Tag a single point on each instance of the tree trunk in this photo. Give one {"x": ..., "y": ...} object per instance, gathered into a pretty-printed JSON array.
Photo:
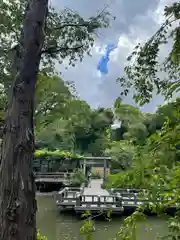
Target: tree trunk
[{"x": 17, "y": 189}]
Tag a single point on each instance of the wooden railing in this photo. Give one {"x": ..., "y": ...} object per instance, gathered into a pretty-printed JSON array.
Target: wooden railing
[
  {"x": 119, "y": 200},
  {"x": 132, "y": 199},
  {"x": 124, "y": 199},
  {"x": 98, "y": 200},
  {"x": 69, "y": 194},
  {"x": 53, "y": 175},
  {"x": 140, "y": 195},
  {"x": 126, "y": 190}
]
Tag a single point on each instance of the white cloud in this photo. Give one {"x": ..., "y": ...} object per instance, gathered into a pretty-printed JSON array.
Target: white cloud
[
  {"x": 140, "y": 20},
  {"x": 139, "y": 32},
  {"x": 157, "y": 15}
]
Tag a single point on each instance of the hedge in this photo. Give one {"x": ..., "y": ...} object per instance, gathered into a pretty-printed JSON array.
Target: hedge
[{"x": 45, "y": 153}]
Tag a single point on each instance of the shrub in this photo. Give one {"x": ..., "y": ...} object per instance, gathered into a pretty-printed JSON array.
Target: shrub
[
  {"x": 78, "y": 178},
  {"x": 96, "y": 175},
  {"x": 39, "y": 237}
]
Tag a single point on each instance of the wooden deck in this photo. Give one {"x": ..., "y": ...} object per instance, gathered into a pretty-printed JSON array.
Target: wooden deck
[
  {"x": 95, "y": 199},
  {"x": 92, "y": 198},
  {"x": 52, "y": 177}
]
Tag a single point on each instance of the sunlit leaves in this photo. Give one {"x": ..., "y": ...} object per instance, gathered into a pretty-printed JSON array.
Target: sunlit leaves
[
  {"x": 129, "y": 228},
  {"x": 154, "y": 167},
  {"x": 132, "y": 122},
  {"x": 51, "y": 99},
  {"x": 40, "y": 237},
  {"x": 87, "y": 228},
  {"x": 121, "y": 153},
  {"x": 152, "y": 161},
  {"x": 127, "y": 113}
]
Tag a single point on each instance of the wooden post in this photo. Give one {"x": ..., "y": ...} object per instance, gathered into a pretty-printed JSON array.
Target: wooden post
[
  {"x": 99, "y": 201},
  {"x": 118, "y": 200},
  {"x": 105, "y": 169},
  {"x": 65, "y": 193},
  {"x": 135, "y": 198},
  {"x": 59, "y": 197},
  {"x": 78, "y": 200},
  {"x": 84, "y": 166}
]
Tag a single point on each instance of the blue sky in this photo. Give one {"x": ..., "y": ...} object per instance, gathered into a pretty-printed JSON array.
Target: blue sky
[{"x": 136, "y": 20}]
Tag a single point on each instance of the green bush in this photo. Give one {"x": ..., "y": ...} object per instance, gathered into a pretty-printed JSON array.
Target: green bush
[
  {"x": 78, "y": 178},
  {"x": 57, "y": 154},
  {"x": 46, "y": 160},
  {"x": 96, "y": 175},
  {"x": 39, "y": 237}
]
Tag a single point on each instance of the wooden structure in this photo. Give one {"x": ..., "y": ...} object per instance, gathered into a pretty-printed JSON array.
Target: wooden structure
[
  {"x": 71, "y": 199},
  {"x": 52, "y": 180},
  {"x": 95, "y": 162},
  {"x": 118, "y": 200},
  {"x": 45, "y": 165},
  {"x": 100, "y": 171},
  {"x": 50, "y": 166},
  {"x": 53, "y": 177},
  {"x": 96, "y": 203}
]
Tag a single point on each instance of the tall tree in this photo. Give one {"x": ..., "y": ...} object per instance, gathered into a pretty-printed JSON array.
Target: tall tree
[
  {"x": 132, "y": 126},
  {"x": 18, "y": 204},
  {"x": 51, "y": 100},
  {"x": 67, "y": 35}
]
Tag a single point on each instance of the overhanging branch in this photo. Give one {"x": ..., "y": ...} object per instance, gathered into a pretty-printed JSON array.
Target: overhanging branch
[
  {"x": 55, "y": 49},
  {"x": 85, "y": 24}
]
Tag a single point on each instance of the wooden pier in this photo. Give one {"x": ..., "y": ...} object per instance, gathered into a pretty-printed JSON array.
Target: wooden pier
[
  {"x": 52, "y": 177},
  {"x": 70, "y": 199},
  {"x": 52, "y": 180},
  {"x": 95, "y": 199}
]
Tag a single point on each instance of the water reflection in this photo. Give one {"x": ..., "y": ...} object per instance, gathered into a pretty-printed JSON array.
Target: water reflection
[{"x": 66, "y": 227}]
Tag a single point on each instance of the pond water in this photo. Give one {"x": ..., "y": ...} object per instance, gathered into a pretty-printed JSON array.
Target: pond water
[{"x": 58, "y": 226}]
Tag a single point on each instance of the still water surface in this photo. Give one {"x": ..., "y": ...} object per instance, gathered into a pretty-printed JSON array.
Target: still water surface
[{"x": 63, "y": 227}]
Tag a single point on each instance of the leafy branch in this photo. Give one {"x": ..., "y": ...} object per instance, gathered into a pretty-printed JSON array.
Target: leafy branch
[{"x": 144, "y": 72}]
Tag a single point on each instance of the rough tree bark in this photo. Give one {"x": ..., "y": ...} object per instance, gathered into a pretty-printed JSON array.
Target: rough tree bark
[{"x": 17, "y": 189}]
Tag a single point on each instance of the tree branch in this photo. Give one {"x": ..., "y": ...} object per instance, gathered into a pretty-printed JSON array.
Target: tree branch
[
  {"x": 85, "y": 24},
  {"x": 54, "y": 49}
]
